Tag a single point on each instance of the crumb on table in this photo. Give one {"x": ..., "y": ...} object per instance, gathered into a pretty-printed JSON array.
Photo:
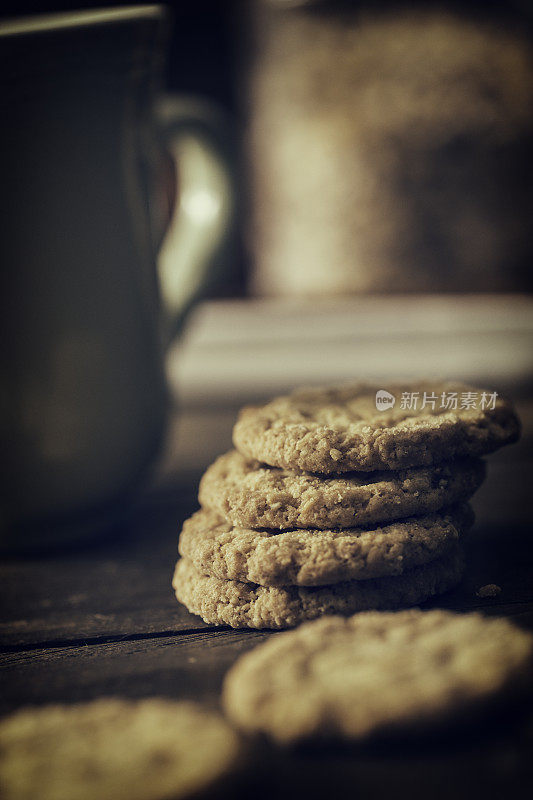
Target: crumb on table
[{"x": 489, "y": 590}]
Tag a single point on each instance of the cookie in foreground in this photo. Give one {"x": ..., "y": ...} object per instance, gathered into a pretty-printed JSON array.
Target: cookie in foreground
[
  {"x": 318, "y": 557},
  {"x": 113, "y": 749},
  {"x": 253, "y": 495},
  {"x": 339, "y": 429},
  {"x": 376, "y": 673},
  {"x": 247, "y": 605}
]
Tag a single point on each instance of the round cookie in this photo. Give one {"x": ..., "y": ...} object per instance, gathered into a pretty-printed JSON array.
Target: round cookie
[
  {"x": 340, "y": 429},
  {"x": 245, "y": 605},
  {"x": 318, "y": 557},
  {"x": 375, "y": 673},
  {"x": 114, "y": 749},
  {"x": 253, "y": 495}
]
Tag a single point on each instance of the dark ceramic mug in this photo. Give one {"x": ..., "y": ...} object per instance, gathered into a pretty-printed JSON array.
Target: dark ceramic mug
[{"x": 84, "y": 205}]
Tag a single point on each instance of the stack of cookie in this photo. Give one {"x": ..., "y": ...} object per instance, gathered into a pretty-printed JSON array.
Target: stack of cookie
[{"x": 331, "y": 505}]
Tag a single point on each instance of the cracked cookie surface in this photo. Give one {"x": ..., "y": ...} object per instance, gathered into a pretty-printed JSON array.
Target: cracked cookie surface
[
  {"x": 246, "y": 605},
  {"x": 318, "y": 557},
  {"x": 253, "y": 495},
  {"x": 339, "y": 429},
  {"x": 375, "y": 673}
]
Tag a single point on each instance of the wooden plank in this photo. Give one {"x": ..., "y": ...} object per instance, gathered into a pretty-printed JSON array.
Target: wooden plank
[
  {"x": 124, "y": 589},
  {"x": 126, "y": 575},
  {"x": 121, "y": 587},
  {"x": 114, "y": 588},
  {"x": 193, "y": 666},
  {"x": 182, "y": 666},
  {"x": 193, "y": 663}
]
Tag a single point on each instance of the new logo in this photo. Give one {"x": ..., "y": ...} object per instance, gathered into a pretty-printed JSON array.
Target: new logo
[{"x": 384, "y": 400}]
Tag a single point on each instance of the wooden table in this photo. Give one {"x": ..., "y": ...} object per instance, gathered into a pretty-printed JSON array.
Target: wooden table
[{"x": 102, "y": 620}]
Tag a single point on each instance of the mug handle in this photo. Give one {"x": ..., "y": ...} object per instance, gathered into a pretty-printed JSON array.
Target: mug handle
[{"x": 198, "y": 244}]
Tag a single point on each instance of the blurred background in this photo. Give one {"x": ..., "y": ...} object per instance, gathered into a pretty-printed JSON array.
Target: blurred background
[
  {"x": 375, "y": 203},
  {"x": 402, "y": 129}
]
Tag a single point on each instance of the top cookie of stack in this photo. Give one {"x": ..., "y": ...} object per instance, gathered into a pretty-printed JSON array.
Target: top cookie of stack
[
  {"x": 336, "y": 429},
  {"x": 326, "y": 491}
]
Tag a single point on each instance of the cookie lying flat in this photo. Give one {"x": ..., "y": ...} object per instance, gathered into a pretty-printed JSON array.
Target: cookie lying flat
[
  {"x": 317, "y": 558},
  {"x": 245, "y": 605},
  {"x": 340, "y": 429},
  {"x": 253, "y": 495},
  {"x": 375, "y": 673},
  {"x": 113, "y": 749}
]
